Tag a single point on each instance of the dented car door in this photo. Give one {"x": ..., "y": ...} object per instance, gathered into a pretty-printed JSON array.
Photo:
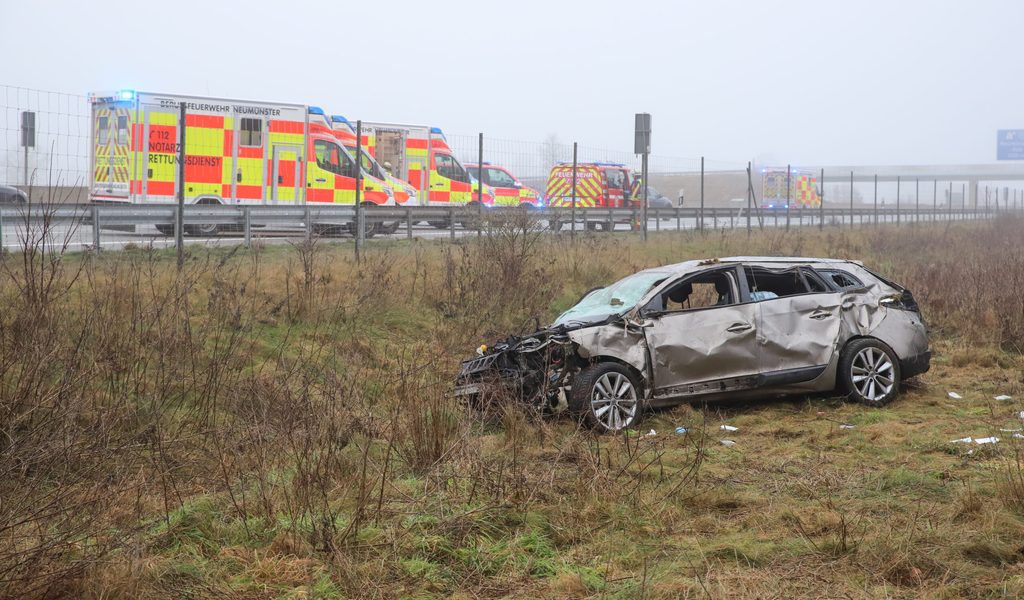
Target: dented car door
[
  {"x": 705, "y": 349},
  {"x": 798, "y": 334}
]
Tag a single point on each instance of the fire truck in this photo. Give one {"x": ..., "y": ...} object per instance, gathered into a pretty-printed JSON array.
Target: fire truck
[
  {"x": 508, "y": 191},
  {"x": 598, "y": 185},
  {"x": 237, "y": 152},
  {"x": 796, "y": 188},
  {"x": 420, "y": 155}
]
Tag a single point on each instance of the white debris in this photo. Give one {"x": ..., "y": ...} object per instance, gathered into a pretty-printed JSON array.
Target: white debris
[
  {"x": 1003, "y": 398},
  {"x": 681, "y": 430},
  {"x": 1020, "y": 415},
  {"x": 955, "y": 396},
  {"x": 846, "y": 426},
  {"x": 1018, "y": 436},
  {"x": 1009, "y": 430},
  {"x": 727, "y": 443},
  {"x": 651, "y": 432},
  {"x": 729, "y": 428},
  {"x": 978, "y": 441}
]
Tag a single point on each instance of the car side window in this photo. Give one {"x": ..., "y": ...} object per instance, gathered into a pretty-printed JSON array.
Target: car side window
[
  {"x": 498, "y": 178},
  {"x": 841, "y": 279},
  {"x": 766, "y": 284},
  {"x": 705, "y": 290}
]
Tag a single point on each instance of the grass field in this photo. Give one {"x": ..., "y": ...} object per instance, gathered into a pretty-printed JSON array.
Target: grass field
[{"x": 278, "y": 423}]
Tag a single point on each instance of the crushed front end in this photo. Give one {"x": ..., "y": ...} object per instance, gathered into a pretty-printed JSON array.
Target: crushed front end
[{"x": 533, "y": 369}]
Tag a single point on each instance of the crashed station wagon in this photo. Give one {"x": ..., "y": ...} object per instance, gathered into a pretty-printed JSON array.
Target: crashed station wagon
[{"x": 730, "y": 328}]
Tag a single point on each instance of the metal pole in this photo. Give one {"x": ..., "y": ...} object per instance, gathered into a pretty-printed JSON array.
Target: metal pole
[
  {"x": 480, "y": 170},
  {"x": 917, "y": 200},
  {"x": 701, "y": 194},
  {"x": 26, "y": 166},
  {"x": 643, "y": 209},
  {"x": 480, "y": 186},
  {"x": 179, "y": 228},
  {"x": 789, "y": 197},
  {"x": 247, "y": 220},
  {"x": 935, "y": 200},
  {"x": 963, "y": 199},
  {"x": 572, "y": 210},
  {"x": 821, "y": 200},
  {"x": 749, "y": 189},
  {"x": 359, "y": 192},
  {"x": 851, "y": 198},
  {"x": 950, "y": 200},
  {"x": 876, "y": 200},
  {"x": 96, "y": 235},
  {"x": 897, "y": 200}
]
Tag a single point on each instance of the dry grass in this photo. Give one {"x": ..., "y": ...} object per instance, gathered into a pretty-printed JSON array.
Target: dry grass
[{"x": 277, "y": 422}]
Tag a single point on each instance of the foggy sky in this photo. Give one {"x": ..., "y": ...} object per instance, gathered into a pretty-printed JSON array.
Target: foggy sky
[{"x": 815, "y": 82}]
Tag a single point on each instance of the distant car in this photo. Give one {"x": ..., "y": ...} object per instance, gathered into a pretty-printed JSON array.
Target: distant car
[
  {"x": 12, "y": 195},
  {"x": 730, "y": 328}
]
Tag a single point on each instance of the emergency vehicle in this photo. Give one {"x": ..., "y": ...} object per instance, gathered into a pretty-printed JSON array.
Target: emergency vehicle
[
  {"x": 236, "y": 152},
  {"x": 420, "y": 154},
  {"x": 405, "y": 193},
  {"x": 801, "y": 191},
  {"x": 508, "y": 191},
  {"x": 598, "y": 185}
]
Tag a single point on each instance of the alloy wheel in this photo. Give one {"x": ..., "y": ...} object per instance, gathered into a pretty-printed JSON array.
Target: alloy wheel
[{"x": 614, "y": 401}]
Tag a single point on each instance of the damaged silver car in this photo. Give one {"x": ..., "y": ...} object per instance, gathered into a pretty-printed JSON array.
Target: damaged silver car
[{"x": 730, "y": 328}]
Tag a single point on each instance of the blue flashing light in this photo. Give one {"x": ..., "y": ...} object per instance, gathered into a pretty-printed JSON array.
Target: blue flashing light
[
  {"x": 436, "y": 130},
  {"x": 316, "y": 110},
  {"x": 126, "y": 94},
  {"x": 339, "y": 119}
]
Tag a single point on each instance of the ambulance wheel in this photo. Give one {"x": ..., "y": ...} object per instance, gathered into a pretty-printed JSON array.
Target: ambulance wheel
[
  {"x": 390, "y": 228},
  {"x": 327, "y": 230},
  {"x": 528, "y": 207},
  {"x": 206, "y": 229},
  {"x": 592, "y": 226},
  {"x": 438, "y": 224},
  {"x": 165, "y": 229},
  {"x": 555, "y": 225}
]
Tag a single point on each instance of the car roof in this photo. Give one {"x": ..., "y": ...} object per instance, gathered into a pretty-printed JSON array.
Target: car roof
[{"x": 692, "y": 266}]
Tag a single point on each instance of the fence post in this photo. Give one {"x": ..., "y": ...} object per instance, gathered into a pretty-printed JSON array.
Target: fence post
[
  {"x": 750, "y": 189},
  {"x": 875, "y": 216},
  {"x": 247, "y": 226},
  {"x": 179, "y": 227},
  {"x": 701, "y": 226},
  {"x": 821, "y": 201},
  {"x": 789, "y": 197},
  {"x": 679, "y": 218},
  {"x": 451, "y": 221},
  {"x": 359, "y": 184},
  {"x": 851, "y": 198},
  {"x": 897, "y": 200},
  {"x": 917, "y": 200},
  {"x": 572, "y": 210},
  {"x": 408, "y": 222},
  {"x": 950, "y": 200},
  {"x": 2, "y": 229},
  {"x": 96, "y": 233},
  {"x": 309, "y": 225}
]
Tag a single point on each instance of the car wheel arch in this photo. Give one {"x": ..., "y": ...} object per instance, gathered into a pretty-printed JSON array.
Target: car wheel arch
[{"x": 641, "y": 378}]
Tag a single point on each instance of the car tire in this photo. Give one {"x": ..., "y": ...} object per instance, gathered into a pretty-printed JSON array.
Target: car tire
[
  {"x": 165, "y": 229},
  {"x": 869, "y": 372},
  {"x": 606, "y": 397}
]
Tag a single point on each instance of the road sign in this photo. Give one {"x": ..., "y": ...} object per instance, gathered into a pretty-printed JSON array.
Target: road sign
[
  {"x": 642, "y": 139},
  {"x": 28, "y": 129},
  {"x": 1010, "y": 144}
]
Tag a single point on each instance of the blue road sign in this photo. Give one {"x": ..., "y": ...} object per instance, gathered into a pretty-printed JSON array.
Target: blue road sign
[{"x": 1010, "y": 144}]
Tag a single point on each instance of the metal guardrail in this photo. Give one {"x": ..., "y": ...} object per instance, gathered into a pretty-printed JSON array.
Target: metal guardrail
[{"x": 313, "y": 218}]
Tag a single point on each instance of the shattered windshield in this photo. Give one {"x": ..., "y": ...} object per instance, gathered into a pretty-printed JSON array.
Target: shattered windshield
[{"x": 614, "y": 299}]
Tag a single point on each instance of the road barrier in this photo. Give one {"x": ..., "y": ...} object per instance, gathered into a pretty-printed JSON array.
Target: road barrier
[{"x": 85, "y": 226}]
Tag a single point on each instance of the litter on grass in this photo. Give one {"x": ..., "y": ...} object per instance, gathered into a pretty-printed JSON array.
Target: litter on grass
[
  {"x": 1003, "y": 398},
  {"x": 680, "y": 430},
  {"x": 729, "y": 428},
  {"x": 978, "y": 441},
  {"x": 651, "y": 432},
  {"x": 727, "y": 443},
  {"x": 955, "y": 396},
  {"x": 846, "y": 426}
]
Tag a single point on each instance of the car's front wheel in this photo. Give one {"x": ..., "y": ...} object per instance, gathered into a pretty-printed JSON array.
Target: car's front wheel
[
  {"x": 869, "y": 372},
  {"x": 606, "y": 397}
]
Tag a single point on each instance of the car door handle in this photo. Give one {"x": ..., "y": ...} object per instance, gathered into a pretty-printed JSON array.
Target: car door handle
[
  {"x": 819, "y": 315},
  {"x": 738, "y": 327}
]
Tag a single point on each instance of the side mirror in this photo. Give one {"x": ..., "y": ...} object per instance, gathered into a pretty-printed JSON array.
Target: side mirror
[{"x": 517, "y": 185}]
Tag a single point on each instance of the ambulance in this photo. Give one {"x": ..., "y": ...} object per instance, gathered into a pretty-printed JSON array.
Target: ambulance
[
  {"x": 237, "y": 152},
  {"x": 598, "y": 185},
  {"x": 420, "y": 155},
  {"x": 795, "y": 188},
  {"x": 405, "y": 193},
  {"x": 508, "y": 190}
]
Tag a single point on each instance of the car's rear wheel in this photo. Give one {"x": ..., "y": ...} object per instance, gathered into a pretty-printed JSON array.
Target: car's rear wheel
[
  {"x": 869, "y": 372},
  {"x": 606, "y": 397}
]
